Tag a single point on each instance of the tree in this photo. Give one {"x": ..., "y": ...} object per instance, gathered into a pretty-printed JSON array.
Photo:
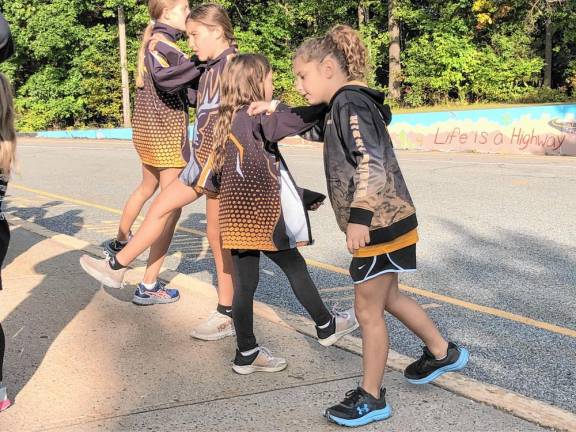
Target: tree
[
  {"x": 66, "y": 70},
  {"x": 394, "y": 65}
]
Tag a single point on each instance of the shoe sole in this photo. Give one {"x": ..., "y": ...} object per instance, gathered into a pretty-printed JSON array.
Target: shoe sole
[
  {"x": 456, "y": 366},
  {"x": 213, "y": 337},
  {"x": 153, "y": 301},
  {"x": 331, "y": 340},
  {"x": 247, "y": 370},
  {"x": 98, "y": 276},
  {"x": 377, "y": 415}
]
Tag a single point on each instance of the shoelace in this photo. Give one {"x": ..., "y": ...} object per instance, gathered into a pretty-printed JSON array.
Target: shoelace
[
  {"x": 351, "y": 397},
  {"x": 338, "y": 313},
  {"x": 426, "y": 356},
  {"x": 266, "y": 352}
]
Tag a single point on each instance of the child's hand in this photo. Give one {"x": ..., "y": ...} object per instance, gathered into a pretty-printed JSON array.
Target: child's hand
[
  {"x": 262, "y": 107},
  {"x": 357, "y": 236}
]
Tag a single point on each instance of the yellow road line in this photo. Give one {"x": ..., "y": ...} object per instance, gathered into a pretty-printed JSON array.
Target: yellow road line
[
  {"x": 464, "y": 304},
  {"x": 421, "y": 292}
]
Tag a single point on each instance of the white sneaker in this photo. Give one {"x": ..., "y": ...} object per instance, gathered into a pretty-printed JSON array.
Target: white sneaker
[
  {"x": 100, "y": 270},
  {"x": 216, "y": 327},
  {"x": 264, "y": 362},
  {"x": 345, "y": 323}
]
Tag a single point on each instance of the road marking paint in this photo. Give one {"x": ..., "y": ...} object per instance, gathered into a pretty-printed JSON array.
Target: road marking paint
[{"x": 418, "y": 291}]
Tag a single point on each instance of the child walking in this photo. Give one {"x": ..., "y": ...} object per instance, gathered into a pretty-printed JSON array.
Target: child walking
[
  {"x": 261, "y": 208},
  {"x": 7, "y": 158},
  {"x": 160, "y": 134},
  {"x": 374, "y": 208},
  {"x": 211, "y": 36}
]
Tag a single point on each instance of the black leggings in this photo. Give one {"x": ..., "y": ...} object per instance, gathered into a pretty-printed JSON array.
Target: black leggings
[
  {"x": 4, "y": 240},
  {"x": 2, "y": 347},
  {"x": 246, "y": 277}
]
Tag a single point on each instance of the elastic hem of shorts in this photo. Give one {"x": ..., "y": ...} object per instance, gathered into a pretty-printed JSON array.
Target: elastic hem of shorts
[
  {"x": 163, "y": 166},
  {"x": 383, "y": 272}
]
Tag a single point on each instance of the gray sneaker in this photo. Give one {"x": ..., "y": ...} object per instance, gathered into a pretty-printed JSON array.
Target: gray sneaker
[
  {"x": 263, "y": 362},
  {"x": 100, "y": 270},
  {"x": 216, "y": 327},
  {"x": 343, "y": 323}
]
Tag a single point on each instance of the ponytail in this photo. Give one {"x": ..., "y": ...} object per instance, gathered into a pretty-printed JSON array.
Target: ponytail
[
  {"x": 142, "y": 54},
  {"x": 345, "y": 45},
  {"x": 348, "y": 42}
]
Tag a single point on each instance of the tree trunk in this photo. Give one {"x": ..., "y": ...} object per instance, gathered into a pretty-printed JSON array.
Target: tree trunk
[
  {"x": 548, "y": 54},
  {"x": 361, "y": 14},
  {"x": 124, "y": 69},
  {"x": 394, "y": 67}
]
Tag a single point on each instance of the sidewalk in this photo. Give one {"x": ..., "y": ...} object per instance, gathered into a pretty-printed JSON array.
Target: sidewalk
[{"x": 82, "y": 358}]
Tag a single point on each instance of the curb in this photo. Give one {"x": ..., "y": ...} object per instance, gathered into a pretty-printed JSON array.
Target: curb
[{"x": 524, "y": 407}]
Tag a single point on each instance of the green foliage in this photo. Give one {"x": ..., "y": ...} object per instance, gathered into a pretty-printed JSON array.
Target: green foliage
[{"x": 66, "y": 71}]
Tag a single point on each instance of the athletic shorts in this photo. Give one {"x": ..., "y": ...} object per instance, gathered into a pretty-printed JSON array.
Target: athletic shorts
[{"x": 400, "y": 261}]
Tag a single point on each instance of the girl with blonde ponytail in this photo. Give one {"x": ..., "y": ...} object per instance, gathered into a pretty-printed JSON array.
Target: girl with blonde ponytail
[
  {"x": 7, "y": 158},
  {"x": 164, "y": 80},
  {"x": 211, "y": 37}
]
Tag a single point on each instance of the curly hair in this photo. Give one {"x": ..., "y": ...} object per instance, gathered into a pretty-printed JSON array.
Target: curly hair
[{"x": 344, "y": 44}]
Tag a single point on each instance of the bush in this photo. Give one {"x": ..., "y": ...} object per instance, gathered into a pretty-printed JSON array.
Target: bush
[
  {"x": 543, "y": 95},
  {"x": 437, "y": 68}
]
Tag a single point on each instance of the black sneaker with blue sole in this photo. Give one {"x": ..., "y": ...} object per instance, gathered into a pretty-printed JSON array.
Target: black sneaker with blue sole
[
  {"x": 359, "y": 408},
  {"x": 426, "y": 369}
]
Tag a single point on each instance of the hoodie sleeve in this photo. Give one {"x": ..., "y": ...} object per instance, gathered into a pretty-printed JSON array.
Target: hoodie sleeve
[
  {"x": 287, "y": 121},
  {"x": 315, "y": 133},
  {"x": 6, "y": 44},
  {"x": 362, "y": 137},
  {"x": 171, "y": 69}
]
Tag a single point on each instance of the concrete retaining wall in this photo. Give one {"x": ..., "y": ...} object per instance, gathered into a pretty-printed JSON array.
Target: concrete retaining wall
[{"x": 541, "y": 129}]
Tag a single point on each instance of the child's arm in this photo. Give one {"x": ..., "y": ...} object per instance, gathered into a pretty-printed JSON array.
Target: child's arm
[
  {"x": 363, "y": 136},
  {"x": 286, "y": 121},
  {"x": 171, "y": 69}
]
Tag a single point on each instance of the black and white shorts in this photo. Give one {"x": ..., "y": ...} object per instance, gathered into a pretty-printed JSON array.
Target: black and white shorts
[{"x": 400, "y": 261}]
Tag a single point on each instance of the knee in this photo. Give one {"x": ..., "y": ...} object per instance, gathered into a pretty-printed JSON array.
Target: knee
[
  {"x": 145, "y": 192},
  {"x": 366, "y": 315}
]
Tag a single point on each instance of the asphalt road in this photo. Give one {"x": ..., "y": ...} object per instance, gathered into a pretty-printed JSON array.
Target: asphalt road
[{"x": 497, "y": 256}]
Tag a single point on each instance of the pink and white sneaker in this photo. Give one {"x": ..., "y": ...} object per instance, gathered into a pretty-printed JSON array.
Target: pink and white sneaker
[{"x": 4, "y": 401}]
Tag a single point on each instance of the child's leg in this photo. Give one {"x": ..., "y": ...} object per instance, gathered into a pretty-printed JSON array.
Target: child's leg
[
  {"x": 250, "y": 357},
  {"x": 174, "y": 197},
  {"x": 370, "y": 303},
  {"x": 413, "y": 316},
  {"x": 160, "y": 247},
  {"x": 246, "y": 276},
  {"x": 132, "y": 208},
  {"x": 294, "y": 267},
  {"x": 222, "y": 257}
]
